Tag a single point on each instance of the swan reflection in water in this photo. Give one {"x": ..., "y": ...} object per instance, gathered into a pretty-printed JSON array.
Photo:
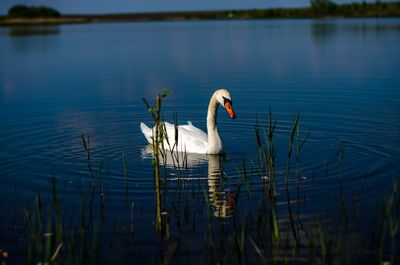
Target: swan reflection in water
[{"x": 220, "y": 198}]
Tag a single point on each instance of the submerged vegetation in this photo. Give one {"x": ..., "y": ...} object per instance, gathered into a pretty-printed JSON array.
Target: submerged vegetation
[{"x": 261, "y": 218}]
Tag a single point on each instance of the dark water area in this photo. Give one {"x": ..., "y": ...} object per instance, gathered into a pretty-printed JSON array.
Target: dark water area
[{"x": 59, "y": 82}]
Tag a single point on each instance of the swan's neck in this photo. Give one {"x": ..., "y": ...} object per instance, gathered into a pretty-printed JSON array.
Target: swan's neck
[{"x": 214, "y": 141}]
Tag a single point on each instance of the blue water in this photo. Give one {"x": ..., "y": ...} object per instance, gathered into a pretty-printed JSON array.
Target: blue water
[{"x": 57, "y": 82}]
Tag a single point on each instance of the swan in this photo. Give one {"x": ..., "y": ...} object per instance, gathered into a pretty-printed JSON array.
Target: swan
[{"x": 192, "y": 139}]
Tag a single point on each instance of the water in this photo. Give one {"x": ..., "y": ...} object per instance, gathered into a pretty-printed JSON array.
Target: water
[{"x": 57, "y": 82}]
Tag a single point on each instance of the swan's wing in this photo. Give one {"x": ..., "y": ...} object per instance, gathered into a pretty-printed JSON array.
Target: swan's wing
[
  {"x": 170, "y": 129},
  {"x": 192, "y": 141},
  {"x": 193, "y": 129},
  {"x": 193, "y": 133},
  {"x": 190, "y": 138},
  {"x": 147, "y": 132}
]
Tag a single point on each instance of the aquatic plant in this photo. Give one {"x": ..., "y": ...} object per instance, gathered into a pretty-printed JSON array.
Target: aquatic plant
[{"x": 157, "y": 146}]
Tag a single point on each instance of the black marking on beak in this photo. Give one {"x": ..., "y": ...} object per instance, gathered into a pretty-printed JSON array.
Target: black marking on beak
[{"x": 227, "y": 100}]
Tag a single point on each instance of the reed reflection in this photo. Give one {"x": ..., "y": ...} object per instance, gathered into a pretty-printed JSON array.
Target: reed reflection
[{"x": 221, "y": 197}]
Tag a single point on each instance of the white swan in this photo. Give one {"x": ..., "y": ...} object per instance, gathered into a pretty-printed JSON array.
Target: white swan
[{"x": 192, "y": 139}]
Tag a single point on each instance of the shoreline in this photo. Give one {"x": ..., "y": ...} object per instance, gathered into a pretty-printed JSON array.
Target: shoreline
[
  {"x": 41, "y": 21},
  {"x": 355, "y": 10}
]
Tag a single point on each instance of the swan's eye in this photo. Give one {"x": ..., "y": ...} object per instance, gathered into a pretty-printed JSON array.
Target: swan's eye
[{"x": 227, "y": 100}]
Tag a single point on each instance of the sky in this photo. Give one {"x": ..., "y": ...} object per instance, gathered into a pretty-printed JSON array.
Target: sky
[{"x": 121, "y": 6}]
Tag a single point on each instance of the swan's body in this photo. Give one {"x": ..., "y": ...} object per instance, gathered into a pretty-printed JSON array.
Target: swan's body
[{"x": 192, "y": 139}]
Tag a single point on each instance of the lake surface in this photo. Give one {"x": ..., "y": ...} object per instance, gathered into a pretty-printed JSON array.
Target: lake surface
[{"x": 58, "y": 82}]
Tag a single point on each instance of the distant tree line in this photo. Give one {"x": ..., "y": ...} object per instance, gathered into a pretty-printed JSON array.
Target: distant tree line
[
  {"x": 23, "y": 11},
  {"x": 356, "y": 9},
  {"x": 317, "y": 9},
  {"x": 323, "y": 7}
]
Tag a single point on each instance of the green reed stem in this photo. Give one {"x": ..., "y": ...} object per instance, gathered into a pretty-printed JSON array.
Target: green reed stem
[
  {"x": 157, "y": 138},
  {"x": 292, "y": 134},
  {"x": 49, "y": 240},
  {"x": 86, "y": 144}
]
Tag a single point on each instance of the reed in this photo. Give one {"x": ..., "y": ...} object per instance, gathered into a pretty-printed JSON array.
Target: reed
[
  {"x": 157, "y": 146},
  {"x": 294, "y": 128},
  {"x": 390, "y": 223},
  {"x": 43, "y": 247},
  {"x": 86, "y": 144}
]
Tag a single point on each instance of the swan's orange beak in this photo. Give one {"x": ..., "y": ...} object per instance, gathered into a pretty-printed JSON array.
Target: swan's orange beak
[{"x": 229, "y": 109}]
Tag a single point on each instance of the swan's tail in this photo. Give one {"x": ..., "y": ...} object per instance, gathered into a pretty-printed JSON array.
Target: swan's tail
[{"x": 148, "y": 132}]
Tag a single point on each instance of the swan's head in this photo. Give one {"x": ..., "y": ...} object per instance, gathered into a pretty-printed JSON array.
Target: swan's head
[{"x": 224, "y": 98}]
